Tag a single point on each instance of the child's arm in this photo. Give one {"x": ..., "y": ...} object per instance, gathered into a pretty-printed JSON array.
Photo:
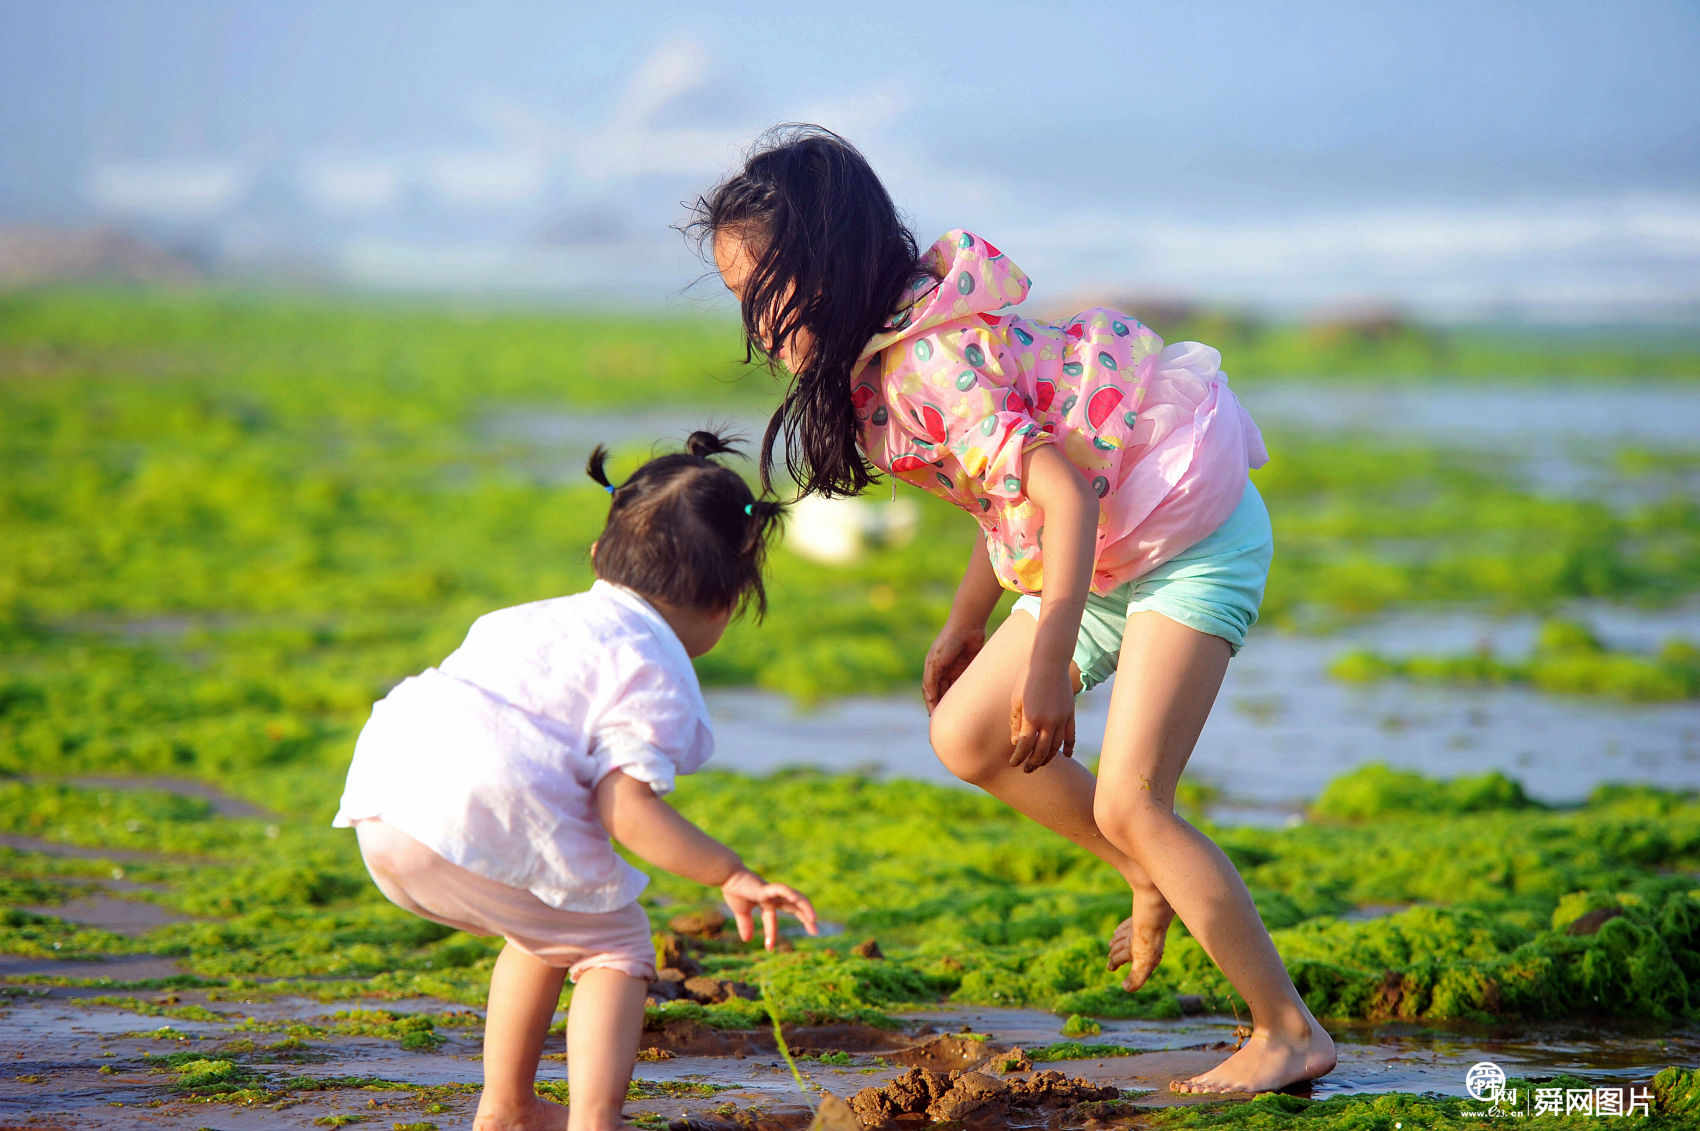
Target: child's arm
[
  {"x": 638, "y": 819},
  {"x": 1042, "y": 714},
  {"x": 964, "y": 631}
]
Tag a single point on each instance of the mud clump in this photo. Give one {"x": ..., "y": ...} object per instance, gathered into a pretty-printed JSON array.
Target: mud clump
[
  {"x": 869, "y": 949},
  {"x": 681, "y": 976},
  {"x": 944, "y": 1097},
  {"x": 698, "y": 924},
  {"x": 944, "y": 1053}
]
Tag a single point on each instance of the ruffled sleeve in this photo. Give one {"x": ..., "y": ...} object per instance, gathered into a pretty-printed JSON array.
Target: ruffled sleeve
[
  {"x": 953, "y": 396},
  {"x": 653, "y": 730}
]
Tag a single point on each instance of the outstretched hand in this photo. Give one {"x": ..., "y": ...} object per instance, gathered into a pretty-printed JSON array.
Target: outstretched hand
[{"x": 744, "y": 892}]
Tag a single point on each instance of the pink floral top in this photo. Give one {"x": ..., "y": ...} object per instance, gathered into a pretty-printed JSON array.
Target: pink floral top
[{"x": 955, "y": 390}]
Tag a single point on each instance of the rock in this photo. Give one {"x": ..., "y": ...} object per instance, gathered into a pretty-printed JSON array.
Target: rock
[
  {"x": 1191, "y": 1004},
  {"x": 699, "y": 924},
  {"x": 868, "y": 949},
  {"x": 834, "y": 1115},
  {"x": 676, "y": 954},
  {"x": 704, "y": 989},
  {"x": 783, "y": 945},
  {"x": 661, "y": 990},
  {"x": 713, "y": 991},
  {"x": 1593, "y": 921},
  {"x": 1015, "y": 1060},
  {"x": 674, "y": 974}
]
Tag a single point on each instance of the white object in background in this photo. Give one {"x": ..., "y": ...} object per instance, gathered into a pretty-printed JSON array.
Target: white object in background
[{"x": 840, "y": 531}]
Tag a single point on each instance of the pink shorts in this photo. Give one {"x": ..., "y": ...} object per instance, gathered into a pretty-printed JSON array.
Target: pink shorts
[{"x": 416, "y": 879}]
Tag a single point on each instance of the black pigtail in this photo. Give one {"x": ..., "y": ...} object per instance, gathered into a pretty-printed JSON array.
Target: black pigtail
[
  {"x": 703, "y": 443},
  {"x": 596, "y": 467}
]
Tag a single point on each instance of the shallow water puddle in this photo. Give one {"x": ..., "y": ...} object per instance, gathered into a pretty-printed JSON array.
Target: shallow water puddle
[
  {"x": 103, "y": 1066},
  {"x": 1284, "y": 729}
]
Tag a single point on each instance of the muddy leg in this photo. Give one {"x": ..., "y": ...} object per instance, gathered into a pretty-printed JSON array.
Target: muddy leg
[
  {"x": 1165, "y": 686},
  {"x": 970, "y": 734}
]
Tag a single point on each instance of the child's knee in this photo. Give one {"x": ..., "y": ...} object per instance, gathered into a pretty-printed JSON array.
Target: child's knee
[
  {"x": 1130, "y": 820},
  {"x": 964, "y": 749}
]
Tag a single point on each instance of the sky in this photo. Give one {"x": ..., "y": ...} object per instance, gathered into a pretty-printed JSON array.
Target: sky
[{"x": 1460, "y": 160}]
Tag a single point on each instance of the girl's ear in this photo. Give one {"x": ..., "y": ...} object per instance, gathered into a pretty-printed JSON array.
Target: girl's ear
[{"x": 593, "y": 552}]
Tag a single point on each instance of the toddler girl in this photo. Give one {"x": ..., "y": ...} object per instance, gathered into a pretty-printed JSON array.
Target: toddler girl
[
  {"x": 1108, "y": 477},
  {"x": 484, "y": 791}
]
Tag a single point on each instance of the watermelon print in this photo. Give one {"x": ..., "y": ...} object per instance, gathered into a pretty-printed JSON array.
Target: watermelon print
[
  {"x": 1102, "y": 404},
  {"x": 932, "y": 423},
  {"x": 963, "y": 390}
]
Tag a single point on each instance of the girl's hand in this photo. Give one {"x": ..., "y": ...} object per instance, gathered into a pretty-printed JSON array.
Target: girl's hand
[
  {"x": 1041, "y": 718},
  {"x": 744, "y": 891},
  {"x": 948, "y": 658}
]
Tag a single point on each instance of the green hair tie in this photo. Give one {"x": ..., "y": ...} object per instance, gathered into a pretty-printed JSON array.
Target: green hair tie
[{"x": 750, "y": 509}]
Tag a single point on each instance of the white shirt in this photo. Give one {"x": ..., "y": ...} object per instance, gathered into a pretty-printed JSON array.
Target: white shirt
[{"x": 491, "y": 759}]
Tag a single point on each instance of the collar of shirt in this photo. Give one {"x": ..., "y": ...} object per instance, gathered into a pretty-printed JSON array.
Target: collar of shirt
[{"x": 670, "y": 642}]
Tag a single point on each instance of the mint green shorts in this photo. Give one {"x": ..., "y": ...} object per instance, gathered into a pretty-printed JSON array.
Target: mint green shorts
[{"x": 1214, "y": 586}]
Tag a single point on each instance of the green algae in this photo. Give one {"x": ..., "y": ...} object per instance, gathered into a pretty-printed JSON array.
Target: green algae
[
  {"x": 1669, "y": 1102},
  {"x": 213, "y": 572},
  {"x": 1076, "y": 1050},
  {"x": 1489, "y": 884},
  {"x": 1568, "y": 659}
]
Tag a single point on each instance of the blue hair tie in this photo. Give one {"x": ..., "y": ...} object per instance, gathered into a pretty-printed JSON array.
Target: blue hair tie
[
  {"x": 608, "y": 488},
  {"x": 749, "y": 509}
]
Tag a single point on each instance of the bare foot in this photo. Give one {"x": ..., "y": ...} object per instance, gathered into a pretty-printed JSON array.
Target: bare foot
[
  {"x": 539, "y": 1115},
  {"x": 1138, "y": 942},
  {"x": 1267, "y": 1063}
]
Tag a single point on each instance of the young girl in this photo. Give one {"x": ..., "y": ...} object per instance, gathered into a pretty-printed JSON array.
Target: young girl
[
  {"x": 484, "y": 791},
  {"x": 1109, "y": 478}
]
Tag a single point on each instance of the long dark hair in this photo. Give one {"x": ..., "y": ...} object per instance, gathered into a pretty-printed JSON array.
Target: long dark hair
[
  {"x": 833, "y": 258},
  {"x": 686, "y": 529}
]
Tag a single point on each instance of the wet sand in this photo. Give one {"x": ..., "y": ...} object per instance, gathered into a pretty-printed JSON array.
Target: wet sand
[{"x": 73, "y": 1061}]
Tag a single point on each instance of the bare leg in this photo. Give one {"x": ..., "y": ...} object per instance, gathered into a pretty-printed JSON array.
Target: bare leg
[
  {"x": 604, "y": 1026},
  {"x": 524, "y": 991},
  {"x": 970, "y": 733},
  {"x": 1165, "y": 686}
]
